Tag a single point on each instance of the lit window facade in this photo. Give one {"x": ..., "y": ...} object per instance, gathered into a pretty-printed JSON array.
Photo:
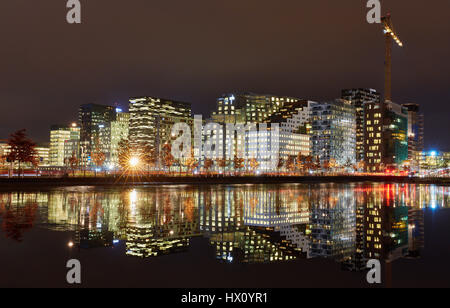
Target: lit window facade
[
  {"x": 111, "y": 134},
  {"x": 249, "y": 107},
  {"x": 60, "y": 135},
  {"x": 334, "y": 131},
  {"x": 151, "y": 121},
  {"x": 358, "y": 97},
  {"x": 91, "y": 117},
  {"x": 386, "y": 136}
]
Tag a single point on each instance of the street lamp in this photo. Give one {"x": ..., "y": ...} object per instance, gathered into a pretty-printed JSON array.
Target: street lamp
[{"x": 134, "y": 162}]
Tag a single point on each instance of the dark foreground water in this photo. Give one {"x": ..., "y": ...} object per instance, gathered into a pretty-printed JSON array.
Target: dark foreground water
[{"x": 227, "y": 236}]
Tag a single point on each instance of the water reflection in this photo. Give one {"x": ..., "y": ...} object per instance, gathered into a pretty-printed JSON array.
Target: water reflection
[{"x": 243, "y": 223}]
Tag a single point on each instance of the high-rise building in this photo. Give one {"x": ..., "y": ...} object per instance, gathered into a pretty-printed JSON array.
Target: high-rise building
[
  {"x": 294, "y": 119},
  {"x": 358, "y": 97},
  {"x": 415, "y": 130},
  {"x": 43, "y": 156},
  {"x": 111, "y": 134},
  {"x": 59, "y": 136},
  {"x": 264, "y": 143},
  {"x": 334, "y": 131},
  {"x": 252, "y": 109},
  {"x": 294, "y": 107},
  {"x": 249, "y": 107},
  {"x": 72, "y": 150},
  {"x": 152, "y": 119},
  {"x": 294, "y": 116},
  {"x": 429, "y": 160},
  {"x": 261, "y": 144},
  {"x": 91, "y": 117},
  {"x": 386, "y": 141}
]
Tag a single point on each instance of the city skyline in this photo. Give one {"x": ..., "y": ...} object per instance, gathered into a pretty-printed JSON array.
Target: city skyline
[
  {"x": 263, "y": 134},
  {"x": 213, "y": 116},
  {"x": 97, "y": 61},
  {"x": 225, "y": 152}
]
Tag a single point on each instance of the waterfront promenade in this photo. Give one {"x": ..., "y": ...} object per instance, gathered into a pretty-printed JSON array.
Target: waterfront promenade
[{"x": 8, "y": 183}]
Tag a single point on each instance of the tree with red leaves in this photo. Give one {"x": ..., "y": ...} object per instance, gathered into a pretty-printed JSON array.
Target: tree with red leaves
[
  {"x": 73, "y": 162},
  {"x": 222, "y": 163},
  {"x": 98, "y": 157},
  {"x": 15, "y": 221},
  {"x": 238, "y": 164},
  {"x": 22, "y": 149},
  {"x": 150, "y": 157},
  {"x": 168, "y": 159},
  {"x": 191, "y": 163},
  {"x": 207, "y": 165}
]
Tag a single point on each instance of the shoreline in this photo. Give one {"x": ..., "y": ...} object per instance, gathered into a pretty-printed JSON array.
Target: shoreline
[{"x": 212, "y": 180}]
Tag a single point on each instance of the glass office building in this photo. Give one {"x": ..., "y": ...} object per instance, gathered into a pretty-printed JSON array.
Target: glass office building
[
  {"x": 59, "y": 136},
  {"x": 249, "y": 107},
  {"x": 91, "y": 117},
  {"x": 111, "y": 134},
  {"x": 358, "y": 97},
  {"x": 152, "y": 119},
  {"x": 334, "y": 131},
  {"x": 386, "y": 136}
]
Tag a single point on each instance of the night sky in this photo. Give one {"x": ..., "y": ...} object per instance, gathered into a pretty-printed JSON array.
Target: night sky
[{"x": 197, "y": 50}]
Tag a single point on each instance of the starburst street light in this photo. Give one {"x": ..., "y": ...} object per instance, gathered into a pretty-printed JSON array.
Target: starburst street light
[{"x": 134, "y": 162}]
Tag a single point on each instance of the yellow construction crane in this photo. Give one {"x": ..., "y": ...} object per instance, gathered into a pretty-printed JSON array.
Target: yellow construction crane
[{"x": 390, "y": 35}]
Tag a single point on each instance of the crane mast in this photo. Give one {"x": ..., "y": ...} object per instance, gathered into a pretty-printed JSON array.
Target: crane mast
[{"x": 390, "y": 35}]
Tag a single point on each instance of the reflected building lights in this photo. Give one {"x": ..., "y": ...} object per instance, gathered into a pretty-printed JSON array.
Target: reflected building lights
[{"x": 245, "y": 223}]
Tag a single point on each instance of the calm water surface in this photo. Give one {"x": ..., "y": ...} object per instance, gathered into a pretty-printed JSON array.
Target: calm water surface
[{"x": 227, "y": 236}]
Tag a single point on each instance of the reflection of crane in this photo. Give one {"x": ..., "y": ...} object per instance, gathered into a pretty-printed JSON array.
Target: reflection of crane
[{"x": 389, "y": 35}]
